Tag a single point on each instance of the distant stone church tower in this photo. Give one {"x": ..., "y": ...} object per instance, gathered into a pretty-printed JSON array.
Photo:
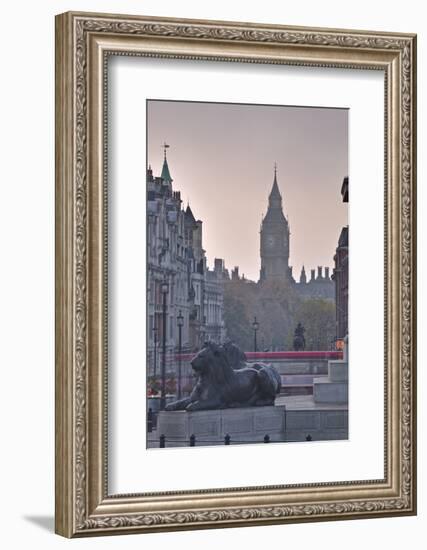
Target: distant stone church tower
[{"x": 274, "y": 245}]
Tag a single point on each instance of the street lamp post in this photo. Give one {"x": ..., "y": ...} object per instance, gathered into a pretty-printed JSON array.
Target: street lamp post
[
  {"x": 155, "y": 351},
  {"x": 255, "y": 325},
  {"x": 165, "y": 290},
  {"x": 180, "y": 321}
]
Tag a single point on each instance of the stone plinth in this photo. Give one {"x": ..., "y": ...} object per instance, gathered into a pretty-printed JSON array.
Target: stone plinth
[
  {"x": 319, "y": 424},
  {"x": 338, "y": 371},
  {"x": 299, "y": 367},
  {"x": 244, "y": 425},
  {"x": 320, "y": 421},
  {"x": 333, "y": 388},
  {"x": 327, "y": 391}
]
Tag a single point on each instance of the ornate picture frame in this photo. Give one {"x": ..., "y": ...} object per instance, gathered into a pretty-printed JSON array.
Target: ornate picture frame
[{"x": 84, "y": 42}]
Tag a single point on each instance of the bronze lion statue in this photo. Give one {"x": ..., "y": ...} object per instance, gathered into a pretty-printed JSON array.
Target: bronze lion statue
[{"x": 225, "y": 380}]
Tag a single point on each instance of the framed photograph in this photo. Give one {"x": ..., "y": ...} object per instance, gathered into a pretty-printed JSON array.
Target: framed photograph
[{"x": 235, "y": 274}]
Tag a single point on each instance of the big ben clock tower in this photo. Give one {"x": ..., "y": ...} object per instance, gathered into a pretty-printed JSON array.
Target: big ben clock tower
[{"x": 274, "y": 245}]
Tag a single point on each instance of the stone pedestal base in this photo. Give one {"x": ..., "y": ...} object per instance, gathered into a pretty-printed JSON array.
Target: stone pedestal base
[
  {"x": 298, "y": 367},
  {"x": 243, "y": 425},
  {"x": 338, "y": 371},
  {"x": 333, "y": 388},
  {"x": 318, "y": 424},
  {"x": 326, "y": 391}
]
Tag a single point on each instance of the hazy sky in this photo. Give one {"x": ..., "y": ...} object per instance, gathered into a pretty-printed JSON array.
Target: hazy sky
[{"x": 221, "y": 158}]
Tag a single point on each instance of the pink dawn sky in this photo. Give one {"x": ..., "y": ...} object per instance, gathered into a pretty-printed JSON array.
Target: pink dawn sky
[{"x": 221, "y": 157}]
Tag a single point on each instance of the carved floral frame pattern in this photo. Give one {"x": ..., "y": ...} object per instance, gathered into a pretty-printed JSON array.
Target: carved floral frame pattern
[{"x": 81, "y": 510}]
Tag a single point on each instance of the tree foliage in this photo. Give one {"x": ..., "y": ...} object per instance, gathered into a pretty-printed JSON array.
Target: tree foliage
[
  {"x": 317, "y": 315},
  {"x": 237, "y": 315},
  {"x": 278, "y": 309},
  {"x": 275, "y": 306}
]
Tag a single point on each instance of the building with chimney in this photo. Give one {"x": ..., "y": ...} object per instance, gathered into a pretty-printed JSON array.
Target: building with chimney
[
  {"x": 340, "y": 275},
  {"x": 213, "y": 293},
  {"x": 177, "y": 273}
]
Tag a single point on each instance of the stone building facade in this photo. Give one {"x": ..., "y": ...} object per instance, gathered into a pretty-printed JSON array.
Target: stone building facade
[
  {"x": 320, "y": 284},
  {"x": 340, "y": 275},
  {"x": 177, "y": 272},
  {"x": 274, "y": 251}
]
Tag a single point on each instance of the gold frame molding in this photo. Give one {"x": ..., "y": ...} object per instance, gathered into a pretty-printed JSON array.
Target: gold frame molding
[{"x": 83, "y": 43}]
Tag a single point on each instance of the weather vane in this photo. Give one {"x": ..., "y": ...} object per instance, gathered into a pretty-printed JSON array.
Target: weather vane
[{"x": 165, "y": 146}]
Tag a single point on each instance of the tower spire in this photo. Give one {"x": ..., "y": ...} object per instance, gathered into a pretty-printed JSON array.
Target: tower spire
[
  {"x": 303, "y": 276},
  {"x": 275, "y": 197},
  {"x": 165, "y": 175}
]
